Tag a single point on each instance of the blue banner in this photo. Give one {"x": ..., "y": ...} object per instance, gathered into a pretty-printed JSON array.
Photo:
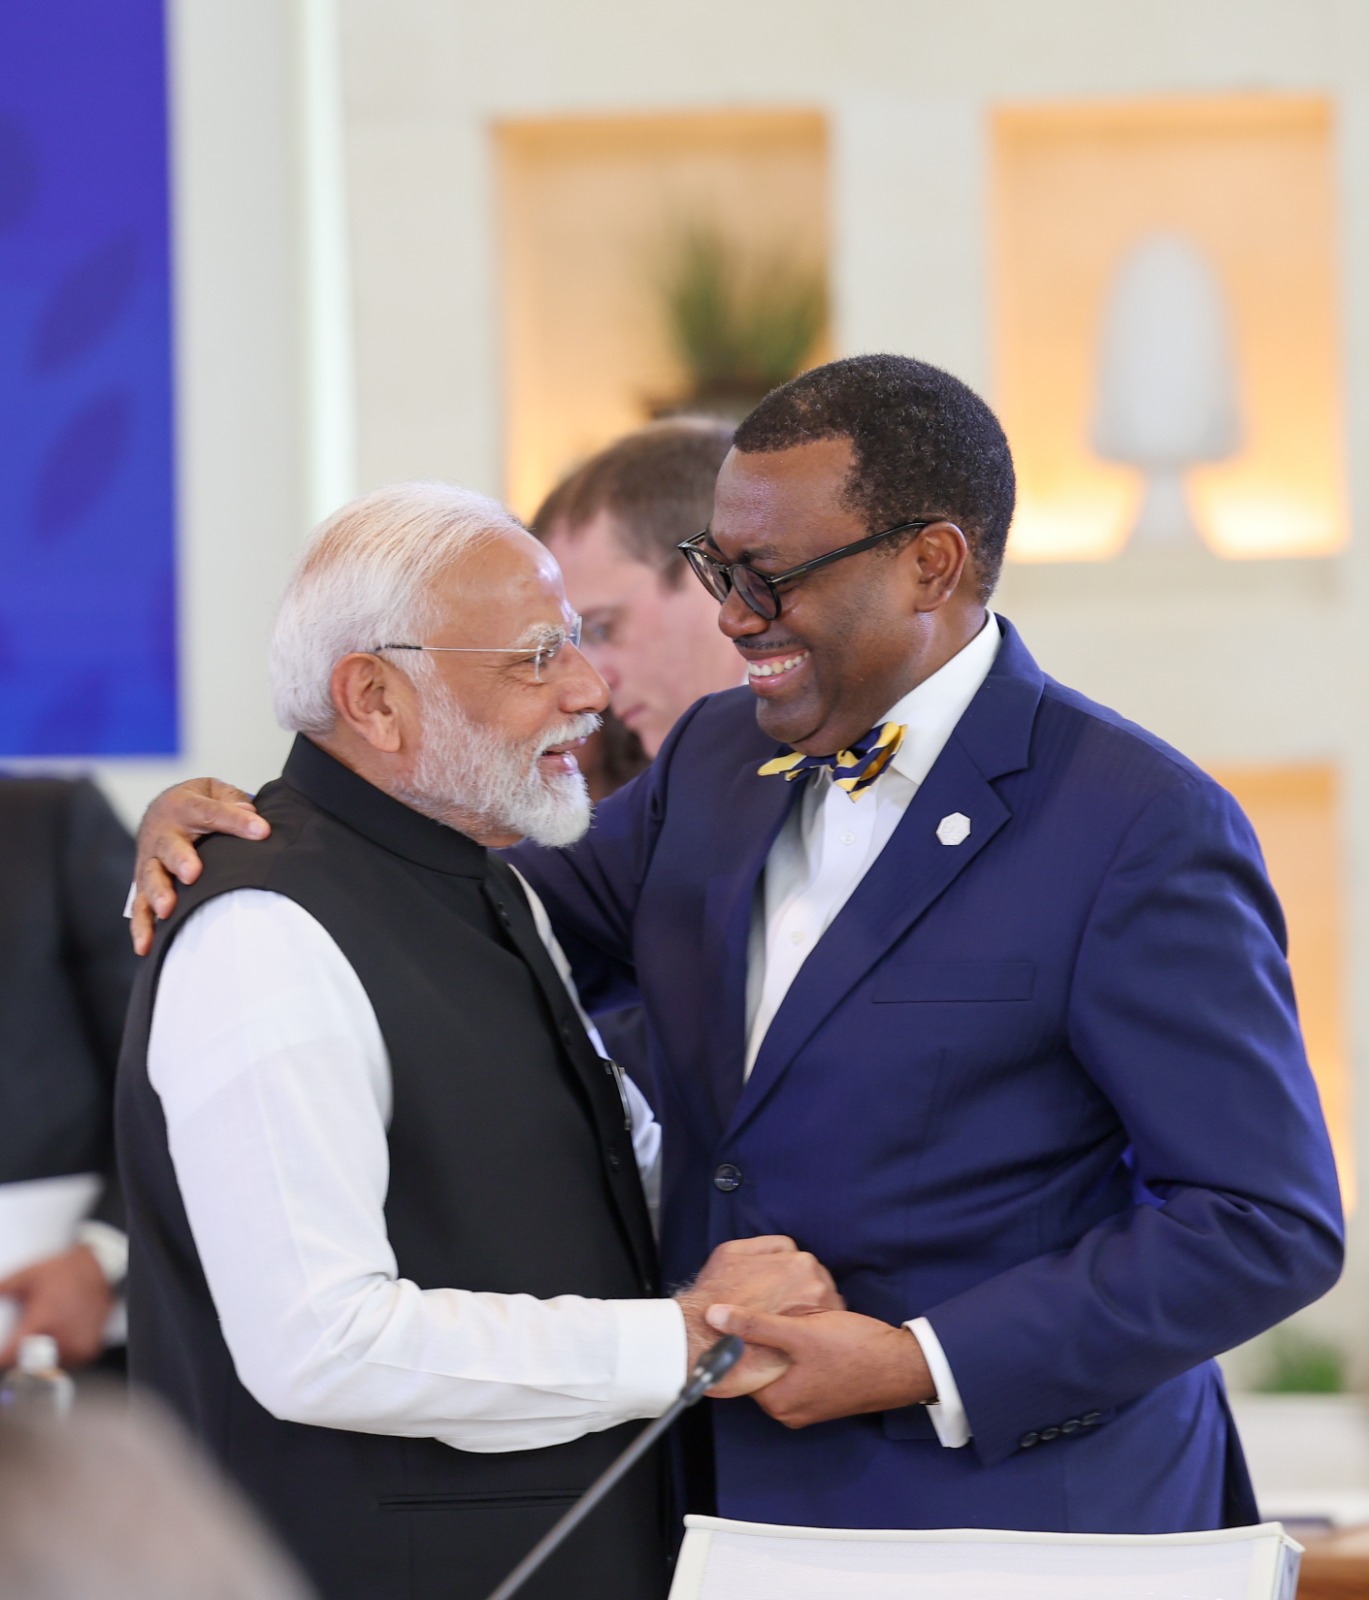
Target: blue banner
[{"x": 87, "y": 505}]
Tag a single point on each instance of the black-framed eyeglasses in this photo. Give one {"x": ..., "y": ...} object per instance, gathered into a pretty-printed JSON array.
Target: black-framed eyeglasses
[
  {"x": 761, "y": 590},
  {"x": 540, "y": 655}
]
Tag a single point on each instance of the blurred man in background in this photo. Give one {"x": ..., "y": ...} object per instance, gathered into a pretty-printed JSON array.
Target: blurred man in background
[
  {"x": 614, "y": 526},
  {"x": 64, "y": 986}
]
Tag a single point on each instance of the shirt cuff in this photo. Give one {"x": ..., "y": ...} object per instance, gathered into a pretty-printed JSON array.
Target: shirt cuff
[
  {"x": 129, "y": 898},
  {"x": 653, "y": 1353},
  {"x": 946, "y": 1411},
  {"x": 108, "y": 1246}
]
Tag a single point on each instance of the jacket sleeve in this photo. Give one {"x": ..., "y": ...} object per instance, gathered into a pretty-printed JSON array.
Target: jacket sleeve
[
  {"x": 96, "y": 867},
  {"x": 96, "y": 870},
  {"x": 1182, "y": 1012}
]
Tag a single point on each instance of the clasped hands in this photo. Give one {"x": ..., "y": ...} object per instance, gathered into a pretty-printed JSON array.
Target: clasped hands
[{"x": 808, "y": 1359}]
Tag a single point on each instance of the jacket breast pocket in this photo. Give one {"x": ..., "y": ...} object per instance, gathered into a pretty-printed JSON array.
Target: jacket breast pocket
[{"x": 953, "y": 982}]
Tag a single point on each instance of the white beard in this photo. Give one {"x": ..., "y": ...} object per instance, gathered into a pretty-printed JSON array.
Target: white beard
[{"x": 470, "y": 778}]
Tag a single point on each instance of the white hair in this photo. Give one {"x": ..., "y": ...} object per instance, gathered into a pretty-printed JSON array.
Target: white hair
[{"x": 365, "y": 579}]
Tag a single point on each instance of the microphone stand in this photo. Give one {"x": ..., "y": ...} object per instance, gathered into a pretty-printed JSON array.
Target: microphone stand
[{"x": 712, "y": 1366}]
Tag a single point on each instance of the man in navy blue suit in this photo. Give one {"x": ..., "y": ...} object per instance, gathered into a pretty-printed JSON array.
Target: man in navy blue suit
[
  {"x": 972, "y": 987},
  {"x": 1001, "y": 1028}
]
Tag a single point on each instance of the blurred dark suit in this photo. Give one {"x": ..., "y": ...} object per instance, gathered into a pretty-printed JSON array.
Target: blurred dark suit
[{"x": 66, "y": 968}]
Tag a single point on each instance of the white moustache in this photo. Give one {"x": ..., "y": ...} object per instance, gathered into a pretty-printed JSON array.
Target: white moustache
[{"x": 580, "y": 727}]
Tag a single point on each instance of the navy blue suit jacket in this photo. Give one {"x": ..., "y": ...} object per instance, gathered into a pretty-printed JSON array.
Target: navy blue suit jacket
[{"x": 1044, "y": 1087}]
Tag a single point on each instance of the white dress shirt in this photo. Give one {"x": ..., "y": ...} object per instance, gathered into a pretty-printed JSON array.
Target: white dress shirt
[
  {"x": 829, "y": 841},
  {"x": 275, "y": 1083}
]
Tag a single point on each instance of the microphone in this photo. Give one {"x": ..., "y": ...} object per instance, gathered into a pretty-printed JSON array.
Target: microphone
[{"x": 711, "y": 1367}]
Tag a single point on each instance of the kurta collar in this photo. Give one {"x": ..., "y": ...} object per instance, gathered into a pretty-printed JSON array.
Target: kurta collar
[{"x": 377, "y": 816}]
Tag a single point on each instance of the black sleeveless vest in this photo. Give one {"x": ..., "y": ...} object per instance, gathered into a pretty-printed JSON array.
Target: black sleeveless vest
[{"x": 511, "y": 1170}]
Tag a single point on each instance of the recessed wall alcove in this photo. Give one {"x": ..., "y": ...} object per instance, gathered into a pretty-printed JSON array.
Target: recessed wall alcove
[
  {"x": 587, "y": 206},
  {"x": 1084, "y": 197}
]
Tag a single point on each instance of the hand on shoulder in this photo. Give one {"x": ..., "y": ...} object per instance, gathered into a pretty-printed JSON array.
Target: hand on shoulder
[{"x": 166, "y": 845}]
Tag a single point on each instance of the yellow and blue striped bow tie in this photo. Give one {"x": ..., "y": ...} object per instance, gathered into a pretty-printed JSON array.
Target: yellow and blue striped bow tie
[{"x": 853, "y": 770}]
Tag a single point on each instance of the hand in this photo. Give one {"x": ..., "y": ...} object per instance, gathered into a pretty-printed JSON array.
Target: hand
[
  {"x": 66, "y": 1296},
  {"x": 768, "y": 1272},
  {"x": 837, "y": 1363},
  {"x": 166, "y": 849}
]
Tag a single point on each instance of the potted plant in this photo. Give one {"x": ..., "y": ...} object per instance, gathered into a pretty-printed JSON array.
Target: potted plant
[{"x": 739, "y": 322}]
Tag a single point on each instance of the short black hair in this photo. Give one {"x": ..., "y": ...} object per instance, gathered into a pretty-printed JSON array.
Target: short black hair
[
  {"x": 658, "y": 484},
  {"x": 925, "y": 445}
]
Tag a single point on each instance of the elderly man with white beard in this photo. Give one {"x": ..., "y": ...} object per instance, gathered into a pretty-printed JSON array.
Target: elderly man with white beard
[{"x": 392, "y": 1257}]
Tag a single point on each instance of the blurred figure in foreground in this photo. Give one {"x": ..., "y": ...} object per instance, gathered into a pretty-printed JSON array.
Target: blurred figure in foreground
[
  {"x": 65, "y": 861},
  {"x": 613, "y": 526},
  {"x": 114, "y": 1504}
]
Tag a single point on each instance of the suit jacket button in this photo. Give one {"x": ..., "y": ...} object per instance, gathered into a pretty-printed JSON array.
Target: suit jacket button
[
  {"x": 1072, "y": 1426},
  {"x": 1028, "y": 1440},
  {"x": 1047, "y": 1434},
  {"x": 727, "y": 1178},
  {"x": 567, "y": 1032},
  {"x": 1091, "y": 1419},
  {"x": 614, "y": 1160}
]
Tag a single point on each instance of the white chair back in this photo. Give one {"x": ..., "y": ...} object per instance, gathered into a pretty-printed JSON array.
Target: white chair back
[{"x": 724, "y": 1560}]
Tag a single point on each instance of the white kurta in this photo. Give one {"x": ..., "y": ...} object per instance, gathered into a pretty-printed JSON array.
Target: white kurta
[{"x": 275, "y": 1082}]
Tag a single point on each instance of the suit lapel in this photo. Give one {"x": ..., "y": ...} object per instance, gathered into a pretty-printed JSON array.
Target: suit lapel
[
  {"x": 915, "y": 868},
  {"x": 912, "y": 871},
  {"x": 752, "y": 812}
]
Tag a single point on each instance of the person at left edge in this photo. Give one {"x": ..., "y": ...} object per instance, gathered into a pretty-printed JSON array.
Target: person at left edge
[
  {"x": 64, "y": 986},
  {"x": 391, "y": 1257}
]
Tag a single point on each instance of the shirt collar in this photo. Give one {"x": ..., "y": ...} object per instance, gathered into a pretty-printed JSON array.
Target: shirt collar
[{"x": 931, "y": 710}]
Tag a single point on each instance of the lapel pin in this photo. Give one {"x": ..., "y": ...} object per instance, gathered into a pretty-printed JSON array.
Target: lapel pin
[{"x": 954, "y": 829}]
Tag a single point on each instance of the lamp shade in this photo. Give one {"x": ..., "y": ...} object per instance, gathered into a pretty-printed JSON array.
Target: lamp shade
[
  {"x": 1167, "y": 391},
  {"x": 1167, "y": 383}
]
